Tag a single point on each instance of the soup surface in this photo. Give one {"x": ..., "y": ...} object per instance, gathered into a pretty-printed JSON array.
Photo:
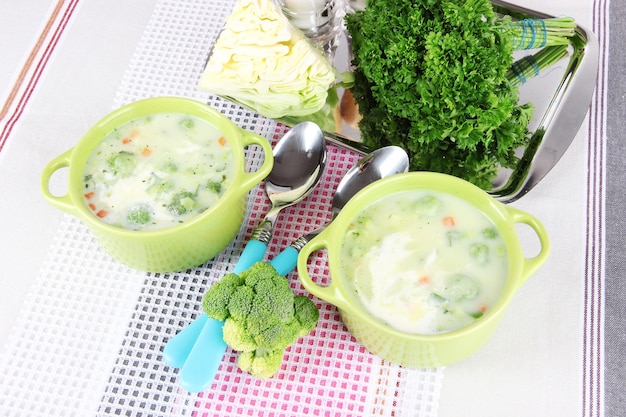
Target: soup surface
[
  {"x": 157, "y": 171},
  {"x": 424, "y": 262}
]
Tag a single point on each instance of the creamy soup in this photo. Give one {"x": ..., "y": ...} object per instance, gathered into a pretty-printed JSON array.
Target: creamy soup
[
  {"x": 424, "y": 262},
  {"x": 157, "y": 171}
]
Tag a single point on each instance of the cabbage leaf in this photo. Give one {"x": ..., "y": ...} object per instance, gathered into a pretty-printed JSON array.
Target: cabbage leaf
[{"x": 263, "y": 62}]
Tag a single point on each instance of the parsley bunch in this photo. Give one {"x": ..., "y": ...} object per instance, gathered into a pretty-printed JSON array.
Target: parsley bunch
[{"x": 431, "y": 77}]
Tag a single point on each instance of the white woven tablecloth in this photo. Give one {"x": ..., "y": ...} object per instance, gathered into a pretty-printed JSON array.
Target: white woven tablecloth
[{"x": 88, "y": 340}]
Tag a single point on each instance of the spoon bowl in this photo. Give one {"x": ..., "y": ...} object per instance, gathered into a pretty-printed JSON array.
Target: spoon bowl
[
  {"x": 379, "y": 164},
  {"x": 299, "y": 160}
]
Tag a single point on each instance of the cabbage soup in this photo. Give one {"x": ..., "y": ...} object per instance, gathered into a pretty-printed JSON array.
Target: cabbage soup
[
  {"x": 157, "y": 171},
  {"x": 424, "y": 261}
]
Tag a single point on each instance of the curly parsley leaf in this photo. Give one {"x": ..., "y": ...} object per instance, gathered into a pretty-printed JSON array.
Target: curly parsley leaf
[{"x": 431, "y": 76}]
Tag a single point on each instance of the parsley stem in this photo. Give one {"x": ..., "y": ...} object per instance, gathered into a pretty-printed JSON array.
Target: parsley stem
[
  {"x": 531, "y": 65},
  {"x": 538, "y": 33}
]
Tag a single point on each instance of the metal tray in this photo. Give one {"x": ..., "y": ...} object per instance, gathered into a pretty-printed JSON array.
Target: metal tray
[{"x": 561, "y": 98}]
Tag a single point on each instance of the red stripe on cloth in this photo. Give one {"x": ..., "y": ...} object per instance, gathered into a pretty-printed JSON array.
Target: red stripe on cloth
[{"x": 24, "y": 85}]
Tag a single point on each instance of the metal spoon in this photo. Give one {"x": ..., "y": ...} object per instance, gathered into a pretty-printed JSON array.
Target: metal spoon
[
  {"x": 379, "y": 164},
  {"x": 299, "y": 160}
]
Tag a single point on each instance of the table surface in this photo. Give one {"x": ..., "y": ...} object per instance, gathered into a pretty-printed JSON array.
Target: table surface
[{"x": 76, "y": 84}]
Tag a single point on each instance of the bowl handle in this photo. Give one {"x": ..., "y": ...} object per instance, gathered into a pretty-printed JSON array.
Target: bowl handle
[
  {"x": 62, "y": 202},
  {"x": 253, "y": 178},
  {"x": 532, "y": 264},
  {"x": 328, "y": 293}
]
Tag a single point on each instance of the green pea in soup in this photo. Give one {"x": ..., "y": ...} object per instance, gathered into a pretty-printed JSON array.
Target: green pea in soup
[
  {"x": 157, "y": 171},
  {"x": 424, "y": 262}
]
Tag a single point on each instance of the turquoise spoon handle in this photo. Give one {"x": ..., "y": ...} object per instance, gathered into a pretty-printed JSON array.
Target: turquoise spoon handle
[
  {"x": 285, "y": 261},
  {"x": 252, "y": 253},
  {"x": 178, "y": 348},
  {"x": 205, "y": 357}
]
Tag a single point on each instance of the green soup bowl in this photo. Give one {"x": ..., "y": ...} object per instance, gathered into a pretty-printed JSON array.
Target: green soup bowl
[
  {"x": 181, "y": 246},
  {"x": 410, "y": 349}
]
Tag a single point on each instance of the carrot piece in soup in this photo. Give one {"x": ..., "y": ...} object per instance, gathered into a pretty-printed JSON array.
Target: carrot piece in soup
[
  {"x": 448, "y": 221},
  {"x": 129, "y": 138},
  {"x": 146, "y": 151}
]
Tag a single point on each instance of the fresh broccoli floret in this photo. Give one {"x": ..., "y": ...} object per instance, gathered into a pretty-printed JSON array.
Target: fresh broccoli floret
[
  {"x": 122, "y": 163},
  {"x": 215, "y": 301},
  {"x": 262, "y": 363},
  {"x": 262, "y": 316},
  {"x": 306, "y": 313},
  {"x": 240, "y": 303},
  {"x": 274, "y": 301},
  {"x": 237, "y": 337},
  {"x": 279, "y": 336},
  {"x": 262, "y": 271}
]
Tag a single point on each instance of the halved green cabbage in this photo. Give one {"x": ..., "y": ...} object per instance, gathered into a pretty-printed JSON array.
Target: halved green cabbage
[{"x": 263, "y": 62}]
